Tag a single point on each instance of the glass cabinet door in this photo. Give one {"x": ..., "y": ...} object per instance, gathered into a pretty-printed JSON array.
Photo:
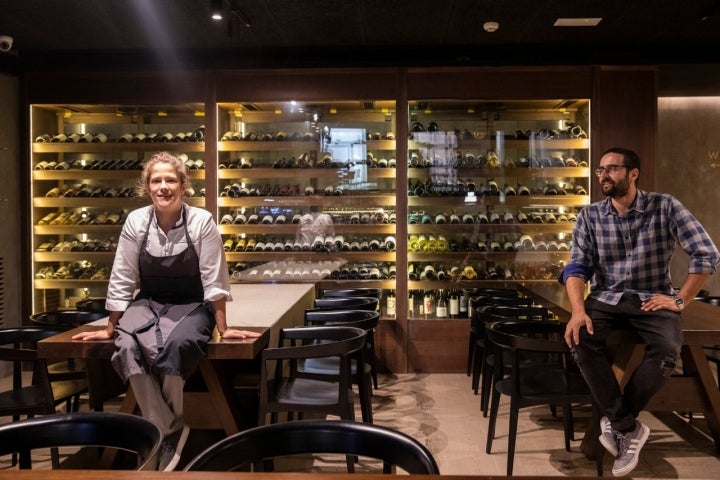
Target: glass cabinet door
[
  {"x": 86, "y": 160},
  {"x": 493, "y": 191},
  {"x": 307, "y": 193}
]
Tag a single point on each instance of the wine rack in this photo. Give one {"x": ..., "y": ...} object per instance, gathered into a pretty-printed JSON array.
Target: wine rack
[
  {"x": 492, "y": 195},
  {"x": 86, "y": 160},
  {"x": 308, "y": 192}
]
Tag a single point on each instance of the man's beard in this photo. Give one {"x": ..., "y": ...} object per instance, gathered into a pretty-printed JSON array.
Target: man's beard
[{"x": 616, "y": 189}]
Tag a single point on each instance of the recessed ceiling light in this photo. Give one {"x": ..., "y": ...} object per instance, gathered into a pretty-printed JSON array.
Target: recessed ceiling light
[{"x": 577, "y": 22}]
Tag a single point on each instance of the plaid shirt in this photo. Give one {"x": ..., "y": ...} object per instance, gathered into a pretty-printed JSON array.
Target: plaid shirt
[{"x": 631, "y": 253}]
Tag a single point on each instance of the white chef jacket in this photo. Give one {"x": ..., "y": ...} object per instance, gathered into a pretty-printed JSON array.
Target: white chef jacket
[{"x": 125, "y": 275}]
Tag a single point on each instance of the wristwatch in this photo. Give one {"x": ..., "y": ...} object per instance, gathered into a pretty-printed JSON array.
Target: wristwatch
[{"x": 679, "y": 302}]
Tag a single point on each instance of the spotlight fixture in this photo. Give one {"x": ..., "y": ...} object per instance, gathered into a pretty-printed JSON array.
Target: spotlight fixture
[{"x": 216, "y": 9}]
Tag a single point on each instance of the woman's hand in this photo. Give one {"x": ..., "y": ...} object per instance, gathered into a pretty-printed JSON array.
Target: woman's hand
[
  {"x": 239, "y": 334},
  {"x": 94, "y": 335}
]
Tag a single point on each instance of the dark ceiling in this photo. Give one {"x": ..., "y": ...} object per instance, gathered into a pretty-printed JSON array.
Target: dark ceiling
[{"x": 357, "y": 32}]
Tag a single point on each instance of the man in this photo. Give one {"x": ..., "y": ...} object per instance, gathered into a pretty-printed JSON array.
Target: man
[{"x": 623, "y": 245}]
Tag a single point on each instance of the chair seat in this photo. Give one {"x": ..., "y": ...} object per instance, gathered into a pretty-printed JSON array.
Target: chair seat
[
  {"x": 547, "y": 386},
  {"x": 304, "y": 392},
  {"x": 328, "y": 366},
  {"x": 35, "y": 400}
]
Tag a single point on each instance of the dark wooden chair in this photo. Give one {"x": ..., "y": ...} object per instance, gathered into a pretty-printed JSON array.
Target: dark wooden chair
[
  {"x": 288, "y": 392},
  {"x": 253, "y": 446},
  {"x": 43, "y": 393},
  {"x": 362, "y": 367},
  {"x": 477, "y": 330},
  {"x": 482, "y": 297},
  {"x": 486, "y": 361},
  {"x": 40, "y": 396},
  {"x": 71, "y": 368},
  {"x": 542, "y": 372},
  {"x": 84, "y": 429}
]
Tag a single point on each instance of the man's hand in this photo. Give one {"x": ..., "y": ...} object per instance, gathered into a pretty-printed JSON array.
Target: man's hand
[
  {"x": 572, "y": 329},
  {"x": 659, "y": 301}
]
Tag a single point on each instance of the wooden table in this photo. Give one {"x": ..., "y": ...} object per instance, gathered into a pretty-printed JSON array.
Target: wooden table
[
  {"x": 694, "y": 391},
  {"x": 257, "y": 307}
]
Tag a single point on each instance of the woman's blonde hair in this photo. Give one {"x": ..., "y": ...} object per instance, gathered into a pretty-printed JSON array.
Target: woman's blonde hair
[{"x": 162, "y": 157}]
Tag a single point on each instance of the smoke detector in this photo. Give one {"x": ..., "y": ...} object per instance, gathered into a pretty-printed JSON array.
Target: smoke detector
[{"x": 490, "y": 26}]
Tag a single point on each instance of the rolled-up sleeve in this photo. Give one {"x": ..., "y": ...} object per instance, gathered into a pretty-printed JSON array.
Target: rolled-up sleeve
[
  {"x": 693, "y": 239},
  {"x": 213, "y": 267},
  {"x": 125, "y": 273}
]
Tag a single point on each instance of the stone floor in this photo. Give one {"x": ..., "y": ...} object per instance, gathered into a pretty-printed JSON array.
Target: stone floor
[{"x": 441, "y": 411}]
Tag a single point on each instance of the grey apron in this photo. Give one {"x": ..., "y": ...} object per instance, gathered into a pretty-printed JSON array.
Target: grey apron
[{"x": 166, "y": 328}]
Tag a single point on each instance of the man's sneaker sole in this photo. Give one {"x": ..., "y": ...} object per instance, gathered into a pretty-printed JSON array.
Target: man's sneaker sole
[
  {"x": 639, "y": 443},
  {"x": 607, "y": 437}
]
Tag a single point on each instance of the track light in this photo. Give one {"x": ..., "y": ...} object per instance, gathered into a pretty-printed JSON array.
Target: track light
[{"x": 216, "y": 9}]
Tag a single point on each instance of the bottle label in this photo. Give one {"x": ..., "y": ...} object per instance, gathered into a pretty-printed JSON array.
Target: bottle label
[
  {"x": 454, "y": 307},
  {"x": 390, "y": 307}
]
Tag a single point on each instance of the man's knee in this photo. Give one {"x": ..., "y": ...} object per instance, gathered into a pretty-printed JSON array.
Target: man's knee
[{"x": 667, "y": 355}]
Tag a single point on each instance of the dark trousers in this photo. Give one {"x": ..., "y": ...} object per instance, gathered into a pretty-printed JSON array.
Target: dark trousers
[{"x": 661, "y": 332}]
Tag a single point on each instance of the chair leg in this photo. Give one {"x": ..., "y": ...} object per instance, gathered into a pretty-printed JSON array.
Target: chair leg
[
  {"x": 55, "y": 458},
  {"x": 365, "y": 394},
  {"x": 494, "y": 406},
  {"x": 471, "y": 354},
  {"x": 512, "y": 434},
  {"x": 599, "y": 449},
  {"x": 567, "y": 426},
  {"x": 478, "y": 356},
  {"x": 487, "y": 373}
]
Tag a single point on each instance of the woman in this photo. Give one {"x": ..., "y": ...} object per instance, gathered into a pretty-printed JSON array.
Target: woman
[{"x": 175, "y": 253}]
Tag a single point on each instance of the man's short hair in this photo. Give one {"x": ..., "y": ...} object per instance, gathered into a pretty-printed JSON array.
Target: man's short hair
[{"x": 630, "y": 158}]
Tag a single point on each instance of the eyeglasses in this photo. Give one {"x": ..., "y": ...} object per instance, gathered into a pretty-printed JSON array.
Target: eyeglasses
[{"x": 609, "y": 169}]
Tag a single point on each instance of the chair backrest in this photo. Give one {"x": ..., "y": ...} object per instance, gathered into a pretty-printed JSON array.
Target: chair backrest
[
  {"x": 531, "y": 336},
  {"x": 352, "y": 292},
  {"x": 504, "y": 312},
  {"x": 354, "y": 303},
  {"x": 251, "y": 446},
  {"x": 92, "y": 305},
  {"x": 365, "y": 319},
  {"x": 495, "y": 292},
  {"x": 489, "y": 301},
  {"x": 100, "y": 429},
  {"x": 66, "y": 319},
  {"x": 316, "y": 342}
]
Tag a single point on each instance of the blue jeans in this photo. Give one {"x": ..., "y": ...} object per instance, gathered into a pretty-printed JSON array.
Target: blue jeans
[{"x": 661, "y": 332}]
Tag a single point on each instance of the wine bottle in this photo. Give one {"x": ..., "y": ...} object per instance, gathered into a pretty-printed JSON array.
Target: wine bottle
[
  {"x": 454, "y": 304},
  {"x": 390, "y": 304},
  {"x": 429, "y": 303},
  {"x": 441, "y": 310}
]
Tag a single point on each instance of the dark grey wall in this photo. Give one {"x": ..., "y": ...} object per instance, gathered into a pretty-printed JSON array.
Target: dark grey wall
[
  {"x": 10, "y": 203},
  {"x": 688, "y": 165}
]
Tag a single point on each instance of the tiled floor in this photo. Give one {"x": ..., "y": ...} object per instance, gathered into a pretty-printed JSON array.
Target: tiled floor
[{"x": 442, "y": 412}]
